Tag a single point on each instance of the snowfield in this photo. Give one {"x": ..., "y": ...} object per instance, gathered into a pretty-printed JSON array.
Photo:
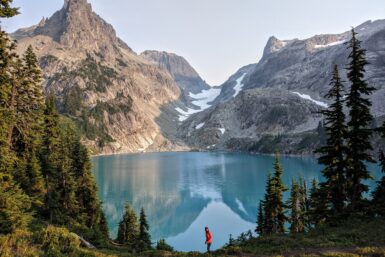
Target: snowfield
[
  {"x": 201, "y": 101},
  {"x": 199, "y": 126},
  {"x": 222, "y": 130},
  {"x": 239, "y": 86},
  {"x": 308, "y": 97},
  {"x": 330, "y": 44}
]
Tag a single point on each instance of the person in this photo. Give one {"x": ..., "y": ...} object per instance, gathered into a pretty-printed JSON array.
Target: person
[{"x": 209, "y": 239}]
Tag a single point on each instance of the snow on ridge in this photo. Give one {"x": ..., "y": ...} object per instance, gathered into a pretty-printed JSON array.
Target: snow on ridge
[
  {"x": 308, "y": 97},
  {"x": 330, "y": 44},
  {"x": 200, "y": 125},
  {"x": 239, "y": 86},
  {"x": 201, "y": 101},
  {"x": 222, "y": 130}
]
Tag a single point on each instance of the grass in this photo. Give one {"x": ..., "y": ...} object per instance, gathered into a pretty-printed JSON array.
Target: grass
[{"x": 352, "y": 238}]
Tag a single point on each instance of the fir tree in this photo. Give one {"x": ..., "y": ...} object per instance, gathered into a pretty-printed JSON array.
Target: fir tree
[
  {"x": 28, "y": 127},
  {"x": 296, "y": 218},
  {"x": 268, "y": 208},
  {"x": 260, "y": 220},
  {"x": 128, "y": 228},
  {"x": 49, "y": 155},
  {"x": 6, "y": 11},
  {"x": 333, "y": 154},
  {"x": 144, "y": 240},
  {"x": 318, "y": 206},
  {"x": 278, "y": 204},
  {"x": 359, "y": 132}
]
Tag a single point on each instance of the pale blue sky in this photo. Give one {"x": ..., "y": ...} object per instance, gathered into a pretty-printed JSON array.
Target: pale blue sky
[{"x": 216, "y": 36}]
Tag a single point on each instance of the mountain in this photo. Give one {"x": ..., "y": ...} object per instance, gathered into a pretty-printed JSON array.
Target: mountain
[
  {"x": 273, "y": 104},
  {"x": 185, "y": 76},
  {"x": 116, "y": 97}
]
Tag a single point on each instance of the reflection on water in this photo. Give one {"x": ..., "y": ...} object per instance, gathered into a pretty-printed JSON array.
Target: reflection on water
[{"x": 184, "y": 192}]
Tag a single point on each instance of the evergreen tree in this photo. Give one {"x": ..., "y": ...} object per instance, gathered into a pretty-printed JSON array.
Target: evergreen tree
[
  {"x": 359, "y": 132},
  {"x": 50, "y": 154},
  {"x": 260, "y": 220},
  {"x": 278, "y": 204},
  {"x": 128, "y": 228},
  {"x": 268, "y": 208},
  {"x": 333, "y": 154},
  {"x": 14, "y": 204},
  {"x": 6, "y": 11},
  {"x": 318, "y": 206},
  {"x": 296, "y": 219},
  {"x": 28, "y": 127},
  {"x": 144, "y": 240}
]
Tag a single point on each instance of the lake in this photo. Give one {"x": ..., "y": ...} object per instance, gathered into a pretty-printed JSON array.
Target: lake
[{"x": 184, "y": 192}]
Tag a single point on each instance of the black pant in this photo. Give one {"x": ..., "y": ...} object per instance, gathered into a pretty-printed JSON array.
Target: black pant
[{"x": 208, "y": 247}]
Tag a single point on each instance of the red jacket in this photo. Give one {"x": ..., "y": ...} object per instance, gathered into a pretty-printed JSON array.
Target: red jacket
[{"x": 209, "y": 237}]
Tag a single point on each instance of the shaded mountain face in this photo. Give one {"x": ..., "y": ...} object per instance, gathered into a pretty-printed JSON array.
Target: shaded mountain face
[
  {"x": 241, "y": 122},
  {"x": 184, "y": 75},
  {"x": 305, "y": 66},
  {"x": 273, "y": 104},
  {"x": 114, "y": 95}
]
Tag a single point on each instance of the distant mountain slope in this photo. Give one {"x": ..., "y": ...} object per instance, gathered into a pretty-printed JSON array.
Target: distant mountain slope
[
  {"x": 113, "y": 94},
  {"x": 274, "y": 103},
  {"x": 305, "y": 66}
]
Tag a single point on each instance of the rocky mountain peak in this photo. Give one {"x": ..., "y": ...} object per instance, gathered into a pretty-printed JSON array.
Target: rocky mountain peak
[
  {"x": 273, "y": 45},
  {"x": 77, "y": 27}
]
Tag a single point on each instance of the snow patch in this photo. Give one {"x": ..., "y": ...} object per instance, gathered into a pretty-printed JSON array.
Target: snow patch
[
  {"x": 308, "y": 97},
  {"x": 199, "y": 126},
  {"x": 330, "y": 44},
  {"x": 222, "y": 130},
  {"x": 240, "y": 206},
  {"x": 201, "y": 101},
  {"x": 239, "y": 86}
]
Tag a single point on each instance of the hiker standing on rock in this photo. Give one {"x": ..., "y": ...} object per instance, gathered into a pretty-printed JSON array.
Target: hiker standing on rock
[{"x": 209, "y": 239}]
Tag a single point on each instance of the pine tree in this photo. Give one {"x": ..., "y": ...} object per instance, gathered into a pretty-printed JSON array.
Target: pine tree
[
  {"x": 333, "y": 154},
  {"x": 144, "y": 240},
  {"x": 305, "y": 203},
  {"x": 278, "y": 204},
  {"x": 14, "y": 204},
  {"x": 359, "y": 132},
  {"x": 128, "y": 229},
  {"x": 49, "y": 155},
  {"x": 296, "y": 218},
  {"x": 268, "y": 208},
  {"x": 260, "y": 220},
  {"x": 318, "y": 205},
  {"x": 6, "y": 11},
  {"x": 28, "y": 127}
]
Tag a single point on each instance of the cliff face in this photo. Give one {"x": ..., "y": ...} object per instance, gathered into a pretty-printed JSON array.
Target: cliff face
[{"x": 113, "y": 94}]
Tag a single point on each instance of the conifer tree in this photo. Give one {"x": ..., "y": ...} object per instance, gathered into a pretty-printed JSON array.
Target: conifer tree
[
  {"x": 6, "y": 11},
  {"x": 14, "y": 204},
  {"x": 296, "y": 205},
  {"x": 333, "y": 154},
  {"x": 268, "y": 208},
  {"x": 260, "y": 220},
  {"x": 144, "y": 240},
  {"x": 50, "y": 154},
  {"x": 278, "y": 204},
  {"x": 359, "y": 132},
  {"x": 318, "y": 206},
  {"x": 28, "y": 127},
  {"x": 128, "y": 228}
]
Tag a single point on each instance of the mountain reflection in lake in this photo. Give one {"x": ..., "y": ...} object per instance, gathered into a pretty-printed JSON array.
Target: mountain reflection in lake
[{"x": 184, "y": 192}]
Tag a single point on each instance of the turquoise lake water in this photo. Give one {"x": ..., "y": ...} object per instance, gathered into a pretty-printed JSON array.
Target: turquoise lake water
[{"x": 184, "y": 192}]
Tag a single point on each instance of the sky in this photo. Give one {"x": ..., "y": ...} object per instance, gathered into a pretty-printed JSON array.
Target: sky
[{"x": 217, "y": 37}]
